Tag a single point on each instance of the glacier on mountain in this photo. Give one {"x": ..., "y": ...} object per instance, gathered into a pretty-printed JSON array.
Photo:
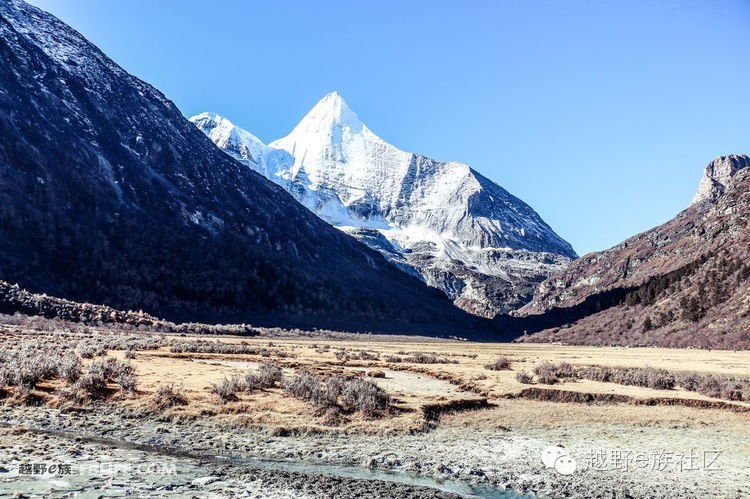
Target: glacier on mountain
[{"x": 455, "y": 228}]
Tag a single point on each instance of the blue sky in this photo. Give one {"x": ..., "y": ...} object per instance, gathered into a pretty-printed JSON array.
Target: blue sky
[{"x": 600, "y": 114}]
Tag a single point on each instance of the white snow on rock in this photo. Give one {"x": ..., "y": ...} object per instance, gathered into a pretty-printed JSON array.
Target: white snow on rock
[{"x": 443, "y": 219}]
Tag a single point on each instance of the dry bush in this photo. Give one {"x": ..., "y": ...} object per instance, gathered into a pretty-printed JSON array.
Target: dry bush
[
  {"x": 714, "y": 386},
  {"x": 524, "y": 377},
  {"x": 202, "y": 346},
  {"x": 334, "y": 388},
  {"x": 732, "y": 391},
  {"x": 167, "y": 396},
  {"x": 228, "y": 388},
  {"x": 564, "y": 370},
  {"x": 689, "y": 380},
  {"x": 365, "y": 396},
  {"x": 268, "y": 375},
  {"x": 365, "y": 355},
  {"x": 94, "y": 382},
  {"x": 646, "y": 377},
  {"x": 499, "y": 364},
  {"x": 304, "y": 386},
  {"x": 355, "y": 394},
  {"x": 340, "y": 355},
  {"x": 658, "y": 379},
  {"x": 709, "y": 385},
  {"x": 91, "y": 349},
  {"x": 549, "y": 373},
  {"x": 596, "y": 373},
  {"x": 13, "y": 320},
  {"x": 427, "y": 358},
  {"x": 31, "y": 363},
  {"x": 70, "y": 368},
  {"x": 546, "y": 373}
]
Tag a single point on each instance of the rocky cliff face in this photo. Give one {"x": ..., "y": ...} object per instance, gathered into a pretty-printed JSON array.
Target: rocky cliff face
[
  {"x": 461, "y": 232},
  {"x": 718, "y": 176},
  {"x": 684, "y": 283},
  {"x": 108, "y": 195}
]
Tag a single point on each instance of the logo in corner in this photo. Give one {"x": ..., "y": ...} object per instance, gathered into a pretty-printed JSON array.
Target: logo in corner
[{"x": 558, "y": 458}]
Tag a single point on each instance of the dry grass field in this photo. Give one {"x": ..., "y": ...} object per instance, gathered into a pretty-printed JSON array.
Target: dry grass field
[
  {"x": 425, "y": 380},
  {"x": 420, "y": 375},
  {"x": 420, "y": 406}
]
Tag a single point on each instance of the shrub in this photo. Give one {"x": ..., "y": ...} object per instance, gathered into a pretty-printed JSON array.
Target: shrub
[
  {"x": 564, "y": 370},
  {"x": 202, "y": 346},
  {"x": 70, "y": 368},
  {"x": 365, "y": 396},
  {"x": 167, "y": 396},
  {"x": 304, "y": 386},
  {"x": 689, "y": 380},
  {"x": 547, "y": 379},
  {"x": 499, "y": 364},
  {"x": 423, "y": 358},
  {"x": 734, "y": 393},
  {"x": 267, "y": 377},
  {"x": 546, "y": 373},
  {"x": 30, "y": 364},
  {"x": 646, "y": 377},
  {"x": 334, "y": 388},
  {"x": 710, "y": 386},
  {"x": 356, "y": 394},
  {"x": 119, "y": 372},
  {"x": 93, "y": 384},
  {"x": 87, "y": 352},
  {"x": 524, "y": 377},
  {"x": 227, "y": 388},
  {"x": 731, "y": 391},
  {"x": 596, "y": 373},
  {"x": 365, "y": 355},
  {"x": 659, "y": 379},
  {"x": 549, "y": 373},
  {"x": 126, "y": 378},
  {"x": 98, "y": 374}
]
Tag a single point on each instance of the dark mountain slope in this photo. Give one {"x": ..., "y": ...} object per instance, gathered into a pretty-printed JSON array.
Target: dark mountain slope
[
  {"x": 108, "y": 195},
  {"x": 685, "y": 283}
]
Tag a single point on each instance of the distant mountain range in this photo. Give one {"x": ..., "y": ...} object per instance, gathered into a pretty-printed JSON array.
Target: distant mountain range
[
  {"x": 442, "y": 221},
  {"x": 109, "y": 195},
  {"x": 685, "y": 283}
]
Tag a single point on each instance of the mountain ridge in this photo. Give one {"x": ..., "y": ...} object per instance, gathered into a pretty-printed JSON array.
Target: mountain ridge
[
  {"x": 682, "y": 284},
  {"x": 109, "y": 195},
  {"x": 485, "y": 248}
]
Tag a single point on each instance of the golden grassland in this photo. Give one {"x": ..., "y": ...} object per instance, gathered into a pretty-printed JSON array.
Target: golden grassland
[{"x": 459, "y": 376}]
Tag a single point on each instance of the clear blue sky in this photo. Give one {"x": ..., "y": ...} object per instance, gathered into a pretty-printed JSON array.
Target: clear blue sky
[{"x": 600, "y": 114}]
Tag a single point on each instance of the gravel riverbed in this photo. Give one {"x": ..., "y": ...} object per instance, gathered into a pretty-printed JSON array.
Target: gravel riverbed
[{"x": 115, "y": 452}]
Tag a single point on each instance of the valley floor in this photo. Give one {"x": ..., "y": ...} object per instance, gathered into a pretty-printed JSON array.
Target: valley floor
[{"x": 455, "y": 428}]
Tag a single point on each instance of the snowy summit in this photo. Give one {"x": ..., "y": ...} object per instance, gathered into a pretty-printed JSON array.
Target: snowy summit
[{"x": 458, "y": 230}]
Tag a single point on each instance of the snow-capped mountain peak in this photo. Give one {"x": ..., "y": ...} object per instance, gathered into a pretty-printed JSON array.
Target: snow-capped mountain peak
[
  {"x": 229, "y": 137},
  {"x": 331, "y": 111},
  {"x": 459, "y": 230},
  {"x": 243, "y": 145}
]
